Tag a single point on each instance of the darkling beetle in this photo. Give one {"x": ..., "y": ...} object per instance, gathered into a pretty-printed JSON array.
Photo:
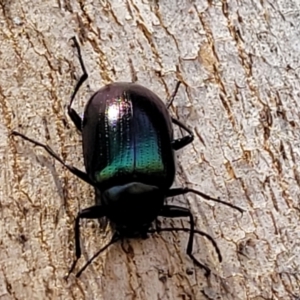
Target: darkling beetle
[{"x": 128, "y": 150}]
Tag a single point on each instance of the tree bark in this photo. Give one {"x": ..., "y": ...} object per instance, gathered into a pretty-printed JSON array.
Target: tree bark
[{"x": 238, "y": 62}]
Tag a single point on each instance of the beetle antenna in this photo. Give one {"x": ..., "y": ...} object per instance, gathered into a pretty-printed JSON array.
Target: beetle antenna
[
  {"x": 182, "y": 191},
  {"x": 171, "y": 99},
  {"x": 218, "y": 200},
  {"x": 158, "y": 230},
  {"x": 113, "y": 240}
]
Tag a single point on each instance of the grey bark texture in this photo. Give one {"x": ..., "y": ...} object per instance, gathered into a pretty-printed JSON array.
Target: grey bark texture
[{"x": 239, "y": 65}]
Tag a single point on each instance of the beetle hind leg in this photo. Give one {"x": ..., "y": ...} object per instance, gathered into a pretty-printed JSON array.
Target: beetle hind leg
[
  {"x": 71, "y": 112},
  {"x": 171, "y": 99},
  {"x": 182, "y": 142},
  {"x": 75, "y": 118}
]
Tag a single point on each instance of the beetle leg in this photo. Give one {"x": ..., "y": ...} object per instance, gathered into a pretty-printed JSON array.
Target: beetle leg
[
  {"x": 181, "y": 191},
  {"x": 152, "y": 230},
  {"x": 93, "y": 212},
  {"x": 72, "y": 169},
  {"x": 182, "y": 142},
  {"x": 172, "y": 211},
  {"x": 75, "y": 118},
  {"x": 170, "y": 101},
  {"x": 72, "y": 113},
  {"x": 113, "y": 240}
]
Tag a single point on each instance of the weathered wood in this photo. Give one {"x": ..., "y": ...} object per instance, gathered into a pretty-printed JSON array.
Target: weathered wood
[{"x": 238, "y": 62}]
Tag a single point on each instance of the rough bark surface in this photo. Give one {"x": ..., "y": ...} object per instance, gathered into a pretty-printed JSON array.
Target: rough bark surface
[{"x": 239, "y": 64}]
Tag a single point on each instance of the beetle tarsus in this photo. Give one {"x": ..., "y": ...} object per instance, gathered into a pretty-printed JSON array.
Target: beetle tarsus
[{"x": 71, "y": 269}]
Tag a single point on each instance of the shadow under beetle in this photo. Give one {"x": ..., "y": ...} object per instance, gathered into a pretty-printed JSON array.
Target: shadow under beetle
[{"x": 128, "y": 150}]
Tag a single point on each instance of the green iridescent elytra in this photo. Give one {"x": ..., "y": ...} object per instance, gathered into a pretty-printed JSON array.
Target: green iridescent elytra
[{"x": 131, "y": 140}]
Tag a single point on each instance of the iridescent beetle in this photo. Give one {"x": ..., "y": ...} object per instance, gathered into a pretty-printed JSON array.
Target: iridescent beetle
[{"x": 128, "y": 149}]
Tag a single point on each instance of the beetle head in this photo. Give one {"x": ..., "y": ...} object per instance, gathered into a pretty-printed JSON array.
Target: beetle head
[{"x": 133, "y": 206}]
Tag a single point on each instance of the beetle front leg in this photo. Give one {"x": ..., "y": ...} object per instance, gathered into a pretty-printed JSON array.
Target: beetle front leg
[
  {"x": 113, "y": 240},
  {"x": 172, "y": 211},
  {"x": 72, "y": 113},
  {"x": 72, "y": 169},
  {"x": 93, "y": 212}
]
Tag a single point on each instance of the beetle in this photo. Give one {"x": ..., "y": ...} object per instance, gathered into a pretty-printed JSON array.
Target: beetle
[{"x": 128, "y": 150}]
